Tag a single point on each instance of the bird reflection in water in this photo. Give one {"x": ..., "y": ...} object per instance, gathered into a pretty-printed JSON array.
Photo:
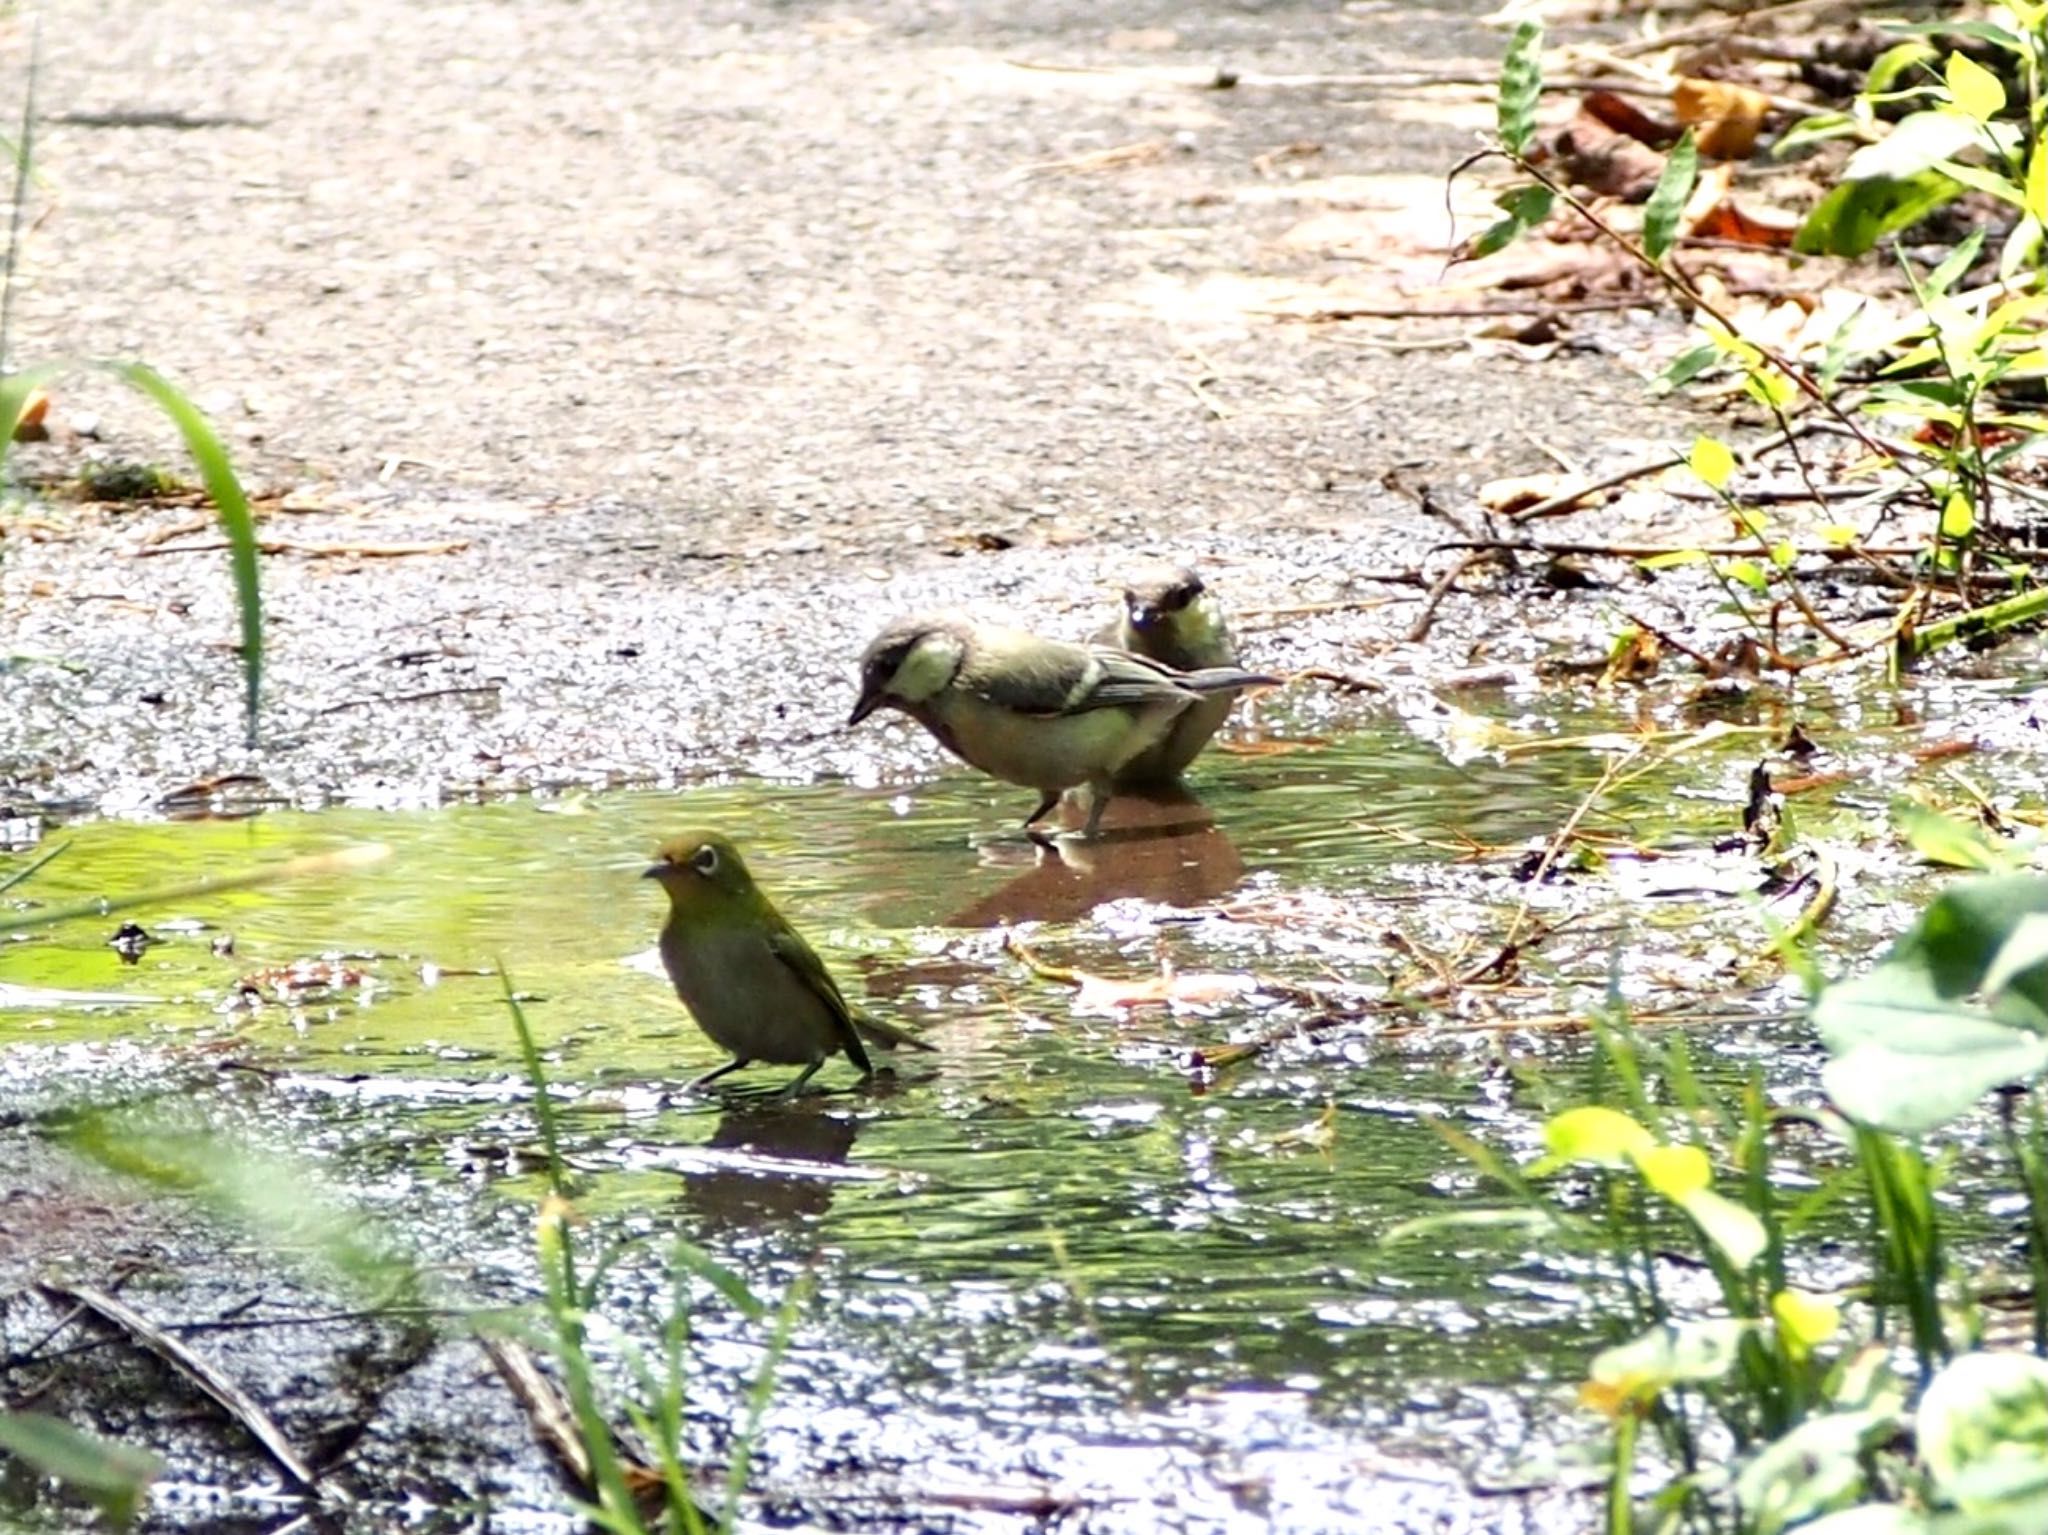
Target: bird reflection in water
[
  {"x": 1158, "y": 845},
  {"x": 770, "y": 1163}
]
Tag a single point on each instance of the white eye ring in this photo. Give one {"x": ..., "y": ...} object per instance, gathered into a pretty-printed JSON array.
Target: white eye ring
[{"x": 705, "y": 860}]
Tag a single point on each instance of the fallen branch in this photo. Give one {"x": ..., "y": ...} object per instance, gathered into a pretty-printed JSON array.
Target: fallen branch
[
  {"x": 201, "y": 1372},
  {"x": 315, "y": 551}
]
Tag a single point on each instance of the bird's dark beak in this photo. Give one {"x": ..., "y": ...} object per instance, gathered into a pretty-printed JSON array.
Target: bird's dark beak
[
  {"x": 654, "y": 871},
  {"x": 870, "y": 700}
]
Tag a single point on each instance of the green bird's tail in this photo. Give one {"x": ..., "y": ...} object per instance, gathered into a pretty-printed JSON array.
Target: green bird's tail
[{"x": 886, "y": 1035}]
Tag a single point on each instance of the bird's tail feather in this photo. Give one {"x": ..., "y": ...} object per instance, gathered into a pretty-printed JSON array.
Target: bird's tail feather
[
  {"x": 887, "y": 1035},
  {"x": 1224, "y": 679}
]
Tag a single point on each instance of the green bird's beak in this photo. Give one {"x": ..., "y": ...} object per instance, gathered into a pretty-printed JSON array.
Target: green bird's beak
[{"x": 870, "y": 700}]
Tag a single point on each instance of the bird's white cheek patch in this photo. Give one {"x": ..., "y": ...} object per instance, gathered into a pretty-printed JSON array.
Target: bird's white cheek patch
[{"x": 926, "y": 670}]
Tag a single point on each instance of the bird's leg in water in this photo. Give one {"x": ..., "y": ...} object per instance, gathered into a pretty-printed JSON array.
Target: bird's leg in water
[
  {"x": 713, "y": 1075},
  {"x": 802, "y": 1077}
]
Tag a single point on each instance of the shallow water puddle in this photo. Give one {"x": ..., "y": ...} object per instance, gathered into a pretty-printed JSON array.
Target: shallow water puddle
[{"x": 1053, "y": 1255}]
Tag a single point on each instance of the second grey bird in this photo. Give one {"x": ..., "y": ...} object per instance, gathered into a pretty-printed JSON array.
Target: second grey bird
[
  {"x": 1169, "y": 615},
  {"x": 1029, "y": 710}
]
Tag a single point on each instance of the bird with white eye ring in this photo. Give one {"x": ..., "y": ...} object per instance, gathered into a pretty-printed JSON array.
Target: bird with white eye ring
[{"x": 754, "y": 986}]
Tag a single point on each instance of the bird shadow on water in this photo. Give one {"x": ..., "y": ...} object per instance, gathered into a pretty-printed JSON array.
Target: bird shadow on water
[{"x": 1162, "y": 846}]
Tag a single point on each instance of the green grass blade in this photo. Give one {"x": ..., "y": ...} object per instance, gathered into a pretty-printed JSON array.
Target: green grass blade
[
  {"x": 19, "y": 875},
  {"x": 757, "y": 1403},
  {"x": 536, "y": 1073},
  {"x": 23, "y": 154},
  {"x": 230, "y": 505},
  {"x": 342, "y": 860},
  {"x": 114, "y": 1476}
]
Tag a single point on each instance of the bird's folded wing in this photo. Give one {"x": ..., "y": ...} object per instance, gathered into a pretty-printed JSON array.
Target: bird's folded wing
[
  {"x": 1123, "y": 678},
  {"x": 788, "y": 947},
  {"x": 1045, "y": 677}
]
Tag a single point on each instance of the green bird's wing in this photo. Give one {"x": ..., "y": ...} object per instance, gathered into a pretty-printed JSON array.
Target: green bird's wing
[
  {"x": 1123, "y": 678},
  {"x": 853, "y": 1023},
  {"x": 1029, "y": 675},
  {"x": 787, "y": 945}
]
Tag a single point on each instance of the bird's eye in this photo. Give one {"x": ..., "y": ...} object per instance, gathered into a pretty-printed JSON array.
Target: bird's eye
[{"x": 705, "y": 860}]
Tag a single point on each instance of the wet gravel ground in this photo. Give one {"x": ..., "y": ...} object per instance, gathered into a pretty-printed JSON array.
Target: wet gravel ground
[{"x": 716, "y": 335}]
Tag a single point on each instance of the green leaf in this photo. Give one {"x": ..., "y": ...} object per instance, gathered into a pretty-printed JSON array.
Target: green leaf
[
  {"x": 1982, "y": 1429},
  {"x": 1805, "y": 1321},
  {"x": 2025, "y": 949},
  {"x": 1748, "y": 573},
  {"x": 1817, "y": 1467},
  {"x": 1892, "y": 63},
  {"x": 1912, "y": 1042},
  {"x": 1689, "y": 366},
  {"x": 1958, "y": 517},
  {"x": 1711, "y": 461},
  {"x": 1852, "y": 218},
  {"x": 1954, "y": 264},
  {"x": 112, "y": 1476},
  {"x": 1667, "y": 200},
  {"x": 1642, "y": 1368},
  {"x": 229, "y": 505},
  {"x": 1733, "y": 1228},
  {"x": 1946, "y": 840},
  {"x": 1916, "y": 143},
  {"x": 1672, "y": 559},
  {"x": 1526, "y": 208},
  {"x": 1974, "y": 88},
  {"x": 1521, "y": 84}
]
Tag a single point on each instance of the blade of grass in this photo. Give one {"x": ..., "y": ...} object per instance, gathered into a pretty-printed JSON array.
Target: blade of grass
[
  {"x": 757, "y": 1402},
  {"x": 230, "y": 505},
  {"x": 23, "y": 160},
  {"x": 340, "y": 861},
  {"x": 19, "y": 875}
]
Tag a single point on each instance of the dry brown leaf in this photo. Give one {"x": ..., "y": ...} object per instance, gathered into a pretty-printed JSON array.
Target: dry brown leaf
[
  {"x": 1594, "y": 156},
  {"x": 1624, "y": 116},
  {"x": 1725, "y": 118}
]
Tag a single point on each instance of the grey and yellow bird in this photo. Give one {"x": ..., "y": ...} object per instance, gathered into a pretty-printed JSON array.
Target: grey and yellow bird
[
  {"x": 1169, "y": 615},
  {"x": 1029, "y": 710},
  {"x": 748, "y": 978}
]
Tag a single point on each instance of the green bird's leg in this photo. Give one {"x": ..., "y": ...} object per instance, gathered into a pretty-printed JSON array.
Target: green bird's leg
[
  {"x": 801, "y": 1078},
  {"x": 715, "y": 1073}
]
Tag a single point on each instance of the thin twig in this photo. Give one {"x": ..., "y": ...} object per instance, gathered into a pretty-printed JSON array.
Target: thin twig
[
  {"x": 318, "y": 551},
  {"x": 1426, "y": 620}
]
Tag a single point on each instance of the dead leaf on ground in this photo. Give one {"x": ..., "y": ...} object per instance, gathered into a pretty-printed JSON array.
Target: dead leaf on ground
[
  {"x": 1624, "y": 116},
  {"x": 1516, "y": 491},
  {"x": 1592, "y": 155},
  {"x": 1726, "y": 117}
]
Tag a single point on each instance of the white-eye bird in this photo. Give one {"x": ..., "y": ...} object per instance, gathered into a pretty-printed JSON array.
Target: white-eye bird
[
  {"x": 1029, "y": 710},
  {"x": 1170, "y": 616},
  {"x": 748, "y": 978}
]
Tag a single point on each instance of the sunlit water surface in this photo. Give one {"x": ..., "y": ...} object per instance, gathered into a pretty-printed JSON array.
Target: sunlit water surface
[{"x": 1055, "y": 1254}]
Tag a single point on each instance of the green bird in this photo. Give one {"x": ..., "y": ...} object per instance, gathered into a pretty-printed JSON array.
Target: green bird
[
  {"x": 748, "y": 978},
  {"x": 1170, "y": 616},
  {"x": 1029, "y": 710}
]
